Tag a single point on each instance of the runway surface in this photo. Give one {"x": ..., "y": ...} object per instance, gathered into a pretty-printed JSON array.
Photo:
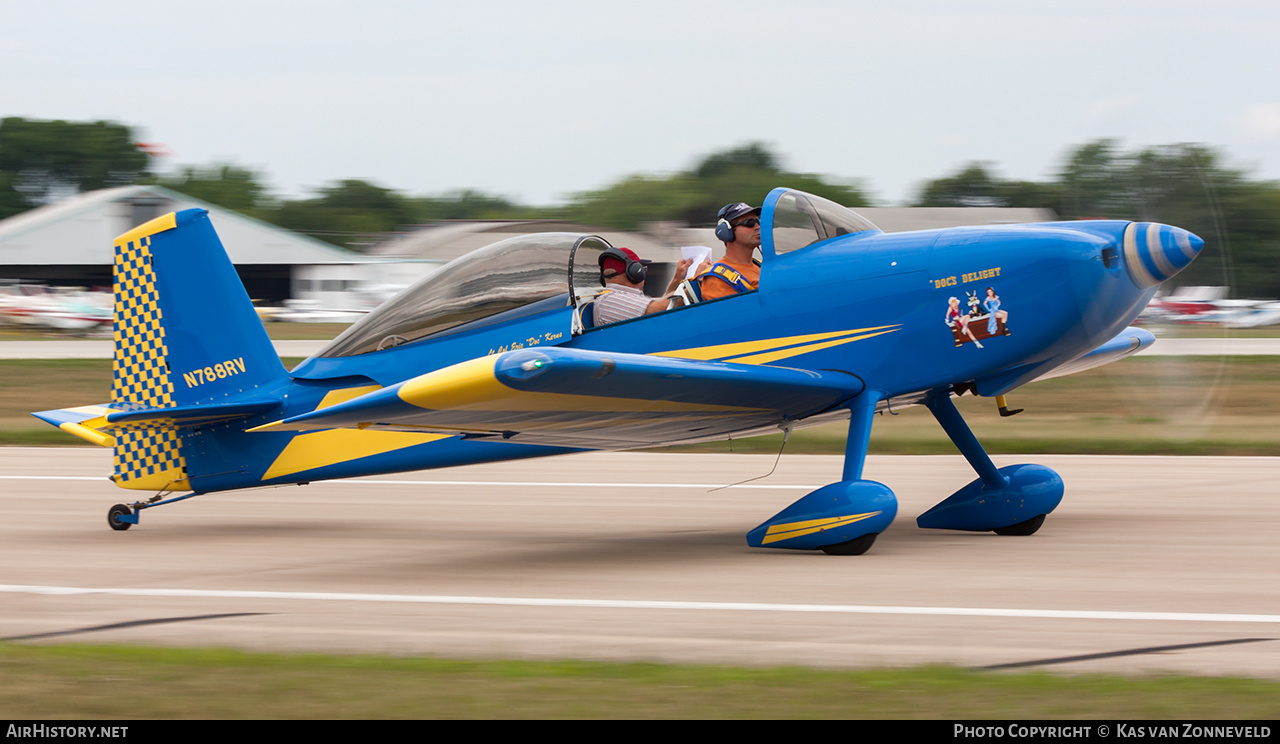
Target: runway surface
[{"x": 1151, "y": 564}]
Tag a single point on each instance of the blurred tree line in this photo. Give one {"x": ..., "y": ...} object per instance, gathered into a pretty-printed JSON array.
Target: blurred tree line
[
  {"x": 354, "y": 213},
  {"x": 694, "y": 196},
  {"x": 44, "y": 161},
  {"x": 1184, "y": 185}
]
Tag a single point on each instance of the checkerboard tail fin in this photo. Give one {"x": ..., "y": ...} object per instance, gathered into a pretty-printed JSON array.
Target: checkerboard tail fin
[{"x": 186, "y": 335}]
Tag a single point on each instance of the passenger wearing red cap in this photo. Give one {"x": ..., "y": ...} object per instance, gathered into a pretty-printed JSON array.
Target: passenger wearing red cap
[
  {"x": 623, "y": 274},
  {"x": 738, "y": 227}
]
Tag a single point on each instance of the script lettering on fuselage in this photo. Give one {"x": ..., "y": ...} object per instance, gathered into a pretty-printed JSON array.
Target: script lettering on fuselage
[
  {"x": 530, "y": 341},
  {"x": 972, "y": 276},
  {"x": 203, "y": 375}
]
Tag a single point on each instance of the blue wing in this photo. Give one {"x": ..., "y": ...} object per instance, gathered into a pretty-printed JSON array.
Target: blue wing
[
  {"x": 1127, "y": 343},
  {"x": 600, "y": 400}
]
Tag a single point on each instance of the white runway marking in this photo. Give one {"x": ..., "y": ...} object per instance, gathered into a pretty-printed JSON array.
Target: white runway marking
[
  {"x": 653, "y": 604},
  {"x": 55, "y": 477}
]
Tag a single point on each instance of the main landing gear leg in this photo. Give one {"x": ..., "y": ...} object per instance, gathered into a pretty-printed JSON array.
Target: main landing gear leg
[
  {"x": 842, "y": 518},
  {"x": 1008, "y": 501}
]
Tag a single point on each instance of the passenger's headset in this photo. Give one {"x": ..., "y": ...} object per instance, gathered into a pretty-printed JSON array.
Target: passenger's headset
[{"x": 636, "y": 271}]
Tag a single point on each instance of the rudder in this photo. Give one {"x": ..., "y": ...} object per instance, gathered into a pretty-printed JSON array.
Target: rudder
[{"x": 186, "y": 333}]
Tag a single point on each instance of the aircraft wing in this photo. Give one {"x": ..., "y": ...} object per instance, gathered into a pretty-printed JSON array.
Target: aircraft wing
[
  {"x": 1127, "y": 343},
  {"x": 590, "y": 399}
]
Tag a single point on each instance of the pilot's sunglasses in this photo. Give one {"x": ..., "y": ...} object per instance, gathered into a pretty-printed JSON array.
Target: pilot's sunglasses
[{"x": 748, "y": 223}]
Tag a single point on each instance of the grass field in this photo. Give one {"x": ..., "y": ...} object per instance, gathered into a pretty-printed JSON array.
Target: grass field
[
  {"x": 95, "y": 682},
  {"x": 1142, "y": 405}
]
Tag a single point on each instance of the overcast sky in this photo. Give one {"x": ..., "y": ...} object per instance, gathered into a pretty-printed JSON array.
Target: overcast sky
[{"x": 538, "y": 100}]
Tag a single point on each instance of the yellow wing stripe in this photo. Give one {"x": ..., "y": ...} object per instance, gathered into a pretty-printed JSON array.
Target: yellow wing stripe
[
  {"x": 737, "y": 352},
  {"x": 774, "y": 356},
  {"x": 789, "y": 530}
]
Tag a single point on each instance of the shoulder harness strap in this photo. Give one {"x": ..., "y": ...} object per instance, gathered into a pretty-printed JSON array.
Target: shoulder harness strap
[{"x": 729, "y": 276}]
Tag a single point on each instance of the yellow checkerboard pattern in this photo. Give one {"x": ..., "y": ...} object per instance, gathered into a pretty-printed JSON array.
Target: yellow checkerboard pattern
[{"x": 144, "y": 457}]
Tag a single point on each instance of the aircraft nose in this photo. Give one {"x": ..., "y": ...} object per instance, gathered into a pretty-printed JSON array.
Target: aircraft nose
[{"x": 1154, "y": 252}]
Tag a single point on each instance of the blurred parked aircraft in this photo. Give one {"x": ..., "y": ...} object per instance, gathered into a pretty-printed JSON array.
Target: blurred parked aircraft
[
  {"x": 71, "y": 309},
  {"x": 1210, "y": 305}
]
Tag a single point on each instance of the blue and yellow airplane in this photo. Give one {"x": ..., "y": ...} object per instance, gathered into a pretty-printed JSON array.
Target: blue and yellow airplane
[{"x": 494, "y": 357}]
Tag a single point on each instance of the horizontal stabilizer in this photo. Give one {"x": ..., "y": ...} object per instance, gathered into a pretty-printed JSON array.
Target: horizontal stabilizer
[
  {"x": 190, "y": 415},
  {"x": 588, "y": 398},
  {"x": 98, "y": 424},
  {"x": 78, "y": 415},
  {"x": 85, "y": 422}
]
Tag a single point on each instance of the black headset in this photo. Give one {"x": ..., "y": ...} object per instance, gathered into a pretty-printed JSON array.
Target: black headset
[
  {"x": 636, "y": 271},
  {"x": 724, "y": 231}
]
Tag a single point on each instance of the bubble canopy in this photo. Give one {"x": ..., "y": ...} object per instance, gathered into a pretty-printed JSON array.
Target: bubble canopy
[
  {"x": 531, "y": 274},
  {"x": 513, "y": 278},
  {"x": 797, "y": 220}
]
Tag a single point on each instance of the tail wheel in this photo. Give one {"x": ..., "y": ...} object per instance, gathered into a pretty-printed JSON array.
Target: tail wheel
[{"x": 114, "y": 515}]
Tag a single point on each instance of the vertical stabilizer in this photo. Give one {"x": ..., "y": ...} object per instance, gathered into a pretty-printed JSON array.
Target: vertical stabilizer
[{"x": 186, "y": 333}]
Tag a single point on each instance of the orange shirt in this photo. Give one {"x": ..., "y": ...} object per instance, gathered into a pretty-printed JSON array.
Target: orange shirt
[{"x": 714, "y": 287}]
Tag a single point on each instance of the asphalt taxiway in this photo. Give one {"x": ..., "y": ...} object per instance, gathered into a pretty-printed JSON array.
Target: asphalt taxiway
[{"x": 1151, "y": 564}]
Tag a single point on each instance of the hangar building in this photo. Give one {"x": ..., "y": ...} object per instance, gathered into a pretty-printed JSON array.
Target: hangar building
[{"x": 70, "y": 243}]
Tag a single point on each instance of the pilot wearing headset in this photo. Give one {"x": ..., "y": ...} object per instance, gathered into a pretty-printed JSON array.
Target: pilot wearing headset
[
  {"x": 738, "y": 227},
  {"x": 623, "y": 273}
]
